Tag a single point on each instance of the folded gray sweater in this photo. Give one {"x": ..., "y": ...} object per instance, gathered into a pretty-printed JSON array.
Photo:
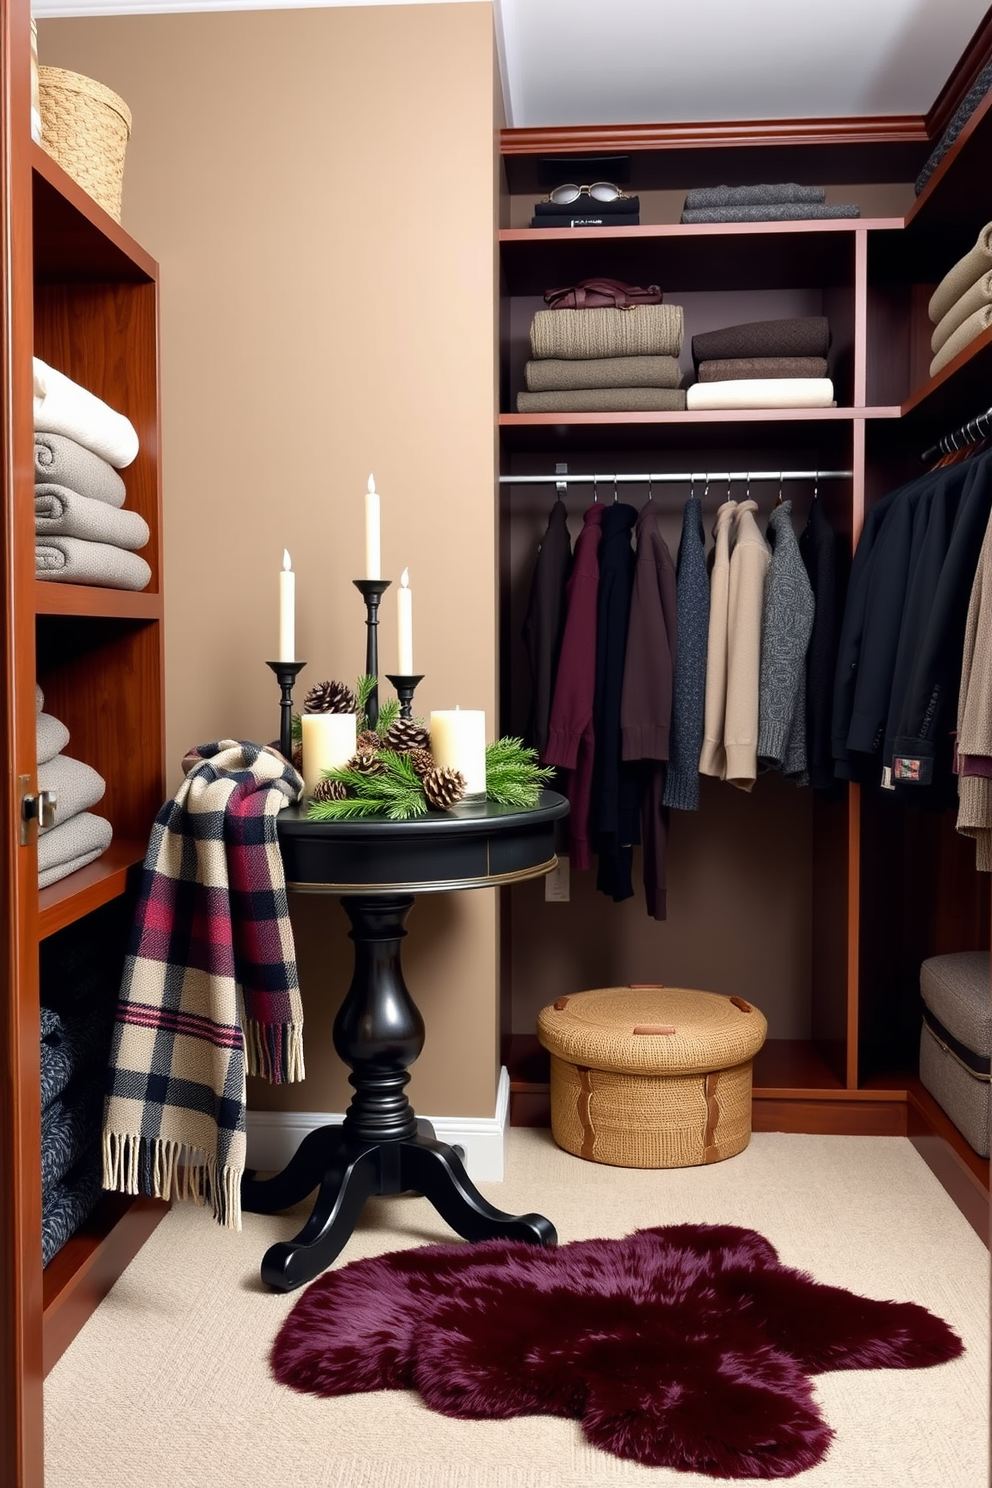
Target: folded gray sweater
[
  {"x": 51, "y": 737},
  {"x": 61, "y": 461},
  {"x": 560, "y": 374},
  {"x": 73, "y": 560},
  {"x": 77, "y": 786},
  {"x": 752, "y": 196},
  {"x": 772, "y": 212},
  {"x": 72, "y": 845},
  {"x": 68, "y": 514}
]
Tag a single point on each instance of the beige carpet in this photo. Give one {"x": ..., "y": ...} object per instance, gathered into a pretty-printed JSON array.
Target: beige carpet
[{"x": 167, "y": 1386}]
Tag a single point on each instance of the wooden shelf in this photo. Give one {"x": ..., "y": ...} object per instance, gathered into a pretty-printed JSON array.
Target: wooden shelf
[
  {"x": 959, "y": 391},
  {"x": 81, "y": 1274},
  {"x": 949, "y": 197},
  {"x": 68, "y": 900},
  {"x": 74, "y": 238},
  {"x": 736, "y": 427},
  {"x": 84, "y": 599}
]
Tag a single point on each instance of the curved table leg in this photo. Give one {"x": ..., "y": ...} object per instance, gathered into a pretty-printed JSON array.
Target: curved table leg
[
  {"x": 435, "y": 1171},
  {"x": 347, "y": 1183},
  {"x": 301, "y": 1175}
]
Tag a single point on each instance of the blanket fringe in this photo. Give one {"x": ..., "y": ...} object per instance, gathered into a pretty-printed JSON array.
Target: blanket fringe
[
  {"x": 274, "y": 1051},
  {"x": 171, "y": 1170}
]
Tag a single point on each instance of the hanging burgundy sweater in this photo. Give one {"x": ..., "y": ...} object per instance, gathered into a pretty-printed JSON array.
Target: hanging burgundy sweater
[
  {"x": 570, "y": 731},
  {"x": 646, "y": 705}
]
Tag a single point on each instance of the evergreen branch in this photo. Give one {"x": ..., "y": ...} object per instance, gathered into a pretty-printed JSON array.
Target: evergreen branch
[
  {"x": 513, "y": 775},
  {"x": 389, "y": 711},
  {"x": 297, "y": 728}
]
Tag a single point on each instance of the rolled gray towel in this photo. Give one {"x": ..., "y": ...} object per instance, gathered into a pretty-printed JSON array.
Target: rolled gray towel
[
  {"x": 646, "y": 330},
  {"x": 973, "y": 299},
  {"x": 77, "y": 787},
  {"x": 752, "y": 196},
  {"x": 73, "y": 560},
  {"x": 774, "y": 212},
  {"x": 554, "y": 374},
  {"x": 962, "y": 337},
  {"x": 67, "y": 514},
  {"x": 962, "y": 275},
  {"x": 70, "y": 846},
  {"x": 61, "y": 461},
  {"x": 604, "y": 400},
  {"x": 51, "y": 736}
]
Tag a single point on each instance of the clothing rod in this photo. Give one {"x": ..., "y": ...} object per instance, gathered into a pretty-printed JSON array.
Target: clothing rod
[
  {"x": 976, "y": 428},
  {"x": 677, "y": 478}
]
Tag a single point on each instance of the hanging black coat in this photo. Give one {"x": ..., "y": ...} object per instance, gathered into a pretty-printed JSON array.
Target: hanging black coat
[
  {"x": 615, "y": 809},
  {"x": 545, "y": 621},
  {"x": 818, "y": 546}
]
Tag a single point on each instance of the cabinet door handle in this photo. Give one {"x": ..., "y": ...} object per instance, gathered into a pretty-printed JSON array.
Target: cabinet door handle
[{"x": 40, "y": 808}]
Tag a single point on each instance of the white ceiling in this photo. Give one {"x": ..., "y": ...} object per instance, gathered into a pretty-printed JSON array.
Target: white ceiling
[{"x": 659, "y": 61}]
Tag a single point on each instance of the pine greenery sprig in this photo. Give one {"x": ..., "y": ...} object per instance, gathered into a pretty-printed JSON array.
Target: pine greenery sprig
[
  {"x": 513, "y": 775},
  {"x": 396, "y": 794},
  {"x": 297, "y": 729},
  {"x": 389, "y": 710}
]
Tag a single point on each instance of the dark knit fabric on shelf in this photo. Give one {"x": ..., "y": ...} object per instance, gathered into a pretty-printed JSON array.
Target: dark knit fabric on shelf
[
  {"x": 962, "y": 114},
  {"x": 776, "y": 212},
  {"x": 752, "y": 196},
  {"x": 734, "y": 369},
  {"x": 793, "y": 336}
]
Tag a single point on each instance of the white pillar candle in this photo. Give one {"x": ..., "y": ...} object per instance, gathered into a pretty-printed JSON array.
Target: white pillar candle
[
  {"x": 372, "y": 559},
  {"x": 404, "y": 626},
  {"x": 458, "y": 742},
  {"x": 287, "y": 610},
  {"x": 328, "y": 743}
]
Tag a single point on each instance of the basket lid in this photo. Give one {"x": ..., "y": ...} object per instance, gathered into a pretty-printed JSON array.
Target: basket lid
[
  {"x": 652, "y": 1029},
  {"x": 76, "y": 82}
]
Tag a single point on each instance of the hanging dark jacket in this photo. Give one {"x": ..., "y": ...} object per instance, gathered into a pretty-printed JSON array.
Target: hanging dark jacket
[
  {"x": 692, "y": 588},
  {"x": 818, "y": 546},
  {"x": 545, "y": 621},
  {"x": 646, "y": 701},
  {"x": 615, "y": 796}
]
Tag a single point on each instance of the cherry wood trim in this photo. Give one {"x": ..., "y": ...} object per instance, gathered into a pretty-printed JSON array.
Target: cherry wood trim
[
  {"x": 812, "y": 227},
  {"x": 105, "y": 247},
  {"x": 814, "y": 1113},
  {"x": 81, "y": 892},
  {"x": 976, "y": 55},
  {"x": 728, "y": 134},
  {"x": 860, "y": 394},
  {"x": 959, "y": 390},
  {"x": 85, "y": 599},
  {"x": 82, "y": 1273},
  {"x": 695, "y": 416},
  {"x": 957, "y": 1167}
]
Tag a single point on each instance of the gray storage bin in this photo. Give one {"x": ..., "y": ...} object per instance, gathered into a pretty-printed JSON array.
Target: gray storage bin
[{"x": 956, "y": 1041}]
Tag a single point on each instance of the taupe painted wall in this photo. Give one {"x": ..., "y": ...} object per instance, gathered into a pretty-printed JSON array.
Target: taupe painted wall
[{"x": 318, "y": 188}]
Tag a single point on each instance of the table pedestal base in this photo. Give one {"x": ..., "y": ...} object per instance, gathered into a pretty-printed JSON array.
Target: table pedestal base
[{"x": 382, "y": 1147}]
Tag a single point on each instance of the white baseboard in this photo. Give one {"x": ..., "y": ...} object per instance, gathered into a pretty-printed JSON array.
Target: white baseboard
[{"x": 273, "y": 1136}]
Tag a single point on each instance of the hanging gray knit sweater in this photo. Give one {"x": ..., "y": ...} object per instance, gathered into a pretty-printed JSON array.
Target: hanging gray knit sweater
[
  {"x": 692, "y": 605},
  {"x": 786, "y": 625}
]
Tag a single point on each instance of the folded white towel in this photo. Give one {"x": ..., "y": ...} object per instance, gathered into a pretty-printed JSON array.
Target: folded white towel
[
  {"x": 77, "y": 786},
  {"x": 763, "y": 392},
  {"x": 81, "y": 838},
  {"x": 51, "y": 737},
  {"x": 65, "y": 512},
  {"x": 61, "y": 406}
]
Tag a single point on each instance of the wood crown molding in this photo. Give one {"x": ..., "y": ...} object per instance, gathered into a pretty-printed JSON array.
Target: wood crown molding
[
  {"x": 976, "y": 55},
  {"x": 727, "y": 134}
]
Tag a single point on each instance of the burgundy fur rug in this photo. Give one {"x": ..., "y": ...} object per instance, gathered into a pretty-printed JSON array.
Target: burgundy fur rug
[{"x": 686, "y": 1346}]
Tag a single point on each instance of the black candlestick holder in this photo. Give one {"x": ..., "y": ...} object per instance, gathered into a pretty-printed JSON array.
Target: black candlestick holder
[
  {"x": 286, "y": 675},
  {"x": 405, "y": 688},
  {"x": 372, "y": 591}
]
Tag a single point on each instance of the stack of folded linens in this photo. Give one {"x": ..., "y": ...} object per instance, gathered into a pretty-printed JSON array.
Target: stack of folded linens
[
  {"x": 78, "y": 836},
  {"x": 604, "y": 360},
  {"x": 961, "y": 305},
  {"x": 763, "y": 364},
  {"x": 82, "y": 535},
  {"x": 786, "y": 202}
]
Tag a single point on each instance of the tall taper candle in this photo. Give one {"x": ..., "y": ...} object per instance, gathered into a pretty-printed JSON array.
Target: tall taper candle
[
  {"x": 287, "y": 609},
  {"x": 372, "y": 559},
  {"x": 404, "y": 625}
]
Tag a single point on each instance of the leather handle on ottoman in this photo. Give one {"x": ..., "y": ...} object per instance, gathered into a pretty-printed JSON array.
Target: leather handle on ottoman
[{"x": 653, "y": 1028}]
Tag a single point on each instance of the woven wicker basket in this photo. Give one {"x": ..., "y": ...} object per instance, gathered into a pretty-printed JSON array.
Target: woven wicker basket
[
  {"x": 651, "y": 1077},
  {"x": 85, "y": 127}
]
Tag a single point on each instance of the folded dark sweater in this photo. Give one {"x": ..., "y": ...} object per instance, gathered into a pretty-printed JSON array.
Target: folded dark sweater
[
  {"x": 558, "y": 374},
  {"x": 61, "y": 461},
  {"x": 604, "y": 400},
  {"x": 588, "y": 219},
  {"x": 960, "y": 117},
  {"x": 589, "y": 206},
  {"x": 796, "y": 336},
  {"x": 751, "y": 196},
  {"x": 772, "y": 212},
  {"x": 732, "y": 368},
  {"x": 70, "y": 1202}
]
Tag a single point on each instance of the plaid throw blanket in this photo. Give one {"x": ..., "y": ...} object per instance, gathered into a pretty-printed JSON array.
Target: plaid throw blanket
[{"x": 209, "y": 989}]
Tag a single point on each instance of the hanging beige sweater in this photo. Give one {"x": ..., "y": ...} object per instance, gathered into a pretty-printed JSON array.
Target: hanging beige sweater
[
  {"x": 749, "y": 560},
  {"x": 712, "y": 756},
  {"x": 975, "y": 713}
]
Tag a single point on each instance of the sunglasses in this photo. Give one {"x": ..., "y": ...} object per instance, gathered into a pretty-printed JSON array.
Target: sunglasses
[{"x": 603, "y": 191}]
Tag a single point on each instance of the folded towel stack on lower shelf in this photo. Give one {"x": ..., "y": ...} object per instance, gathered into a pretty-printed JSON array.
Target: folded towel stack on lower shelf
[
  {"x": 763, "y": 364},
  {"x": 961, "y": 305},
  {"x": 78, "y": 836},
  {"x": 82, "y": 535},
  {"x": 604, "y": 360},
  {"x": 786, "y": 202}
]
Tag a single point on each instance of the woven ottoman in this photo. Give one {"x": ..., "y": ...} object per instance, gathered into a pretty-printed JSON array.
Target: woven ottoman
[
  {"x": 651, "y": 1076},
  {"x": 956, "y": 1040}
]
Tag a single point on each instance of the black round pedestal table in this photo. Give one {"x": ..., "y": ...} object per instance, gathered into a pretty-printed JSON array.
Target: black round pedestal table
[{"x": 377, "y": 868}]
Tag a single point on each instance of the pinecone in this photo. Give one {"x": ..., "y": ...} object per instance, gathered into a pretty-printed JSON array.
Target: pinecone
[
  {"x": 443, "y": 787},
  {"x": 329, "y": 790},
  {"x": 366, "y": 762},
  {"x": 330, "y": 697},
  {"x": 406, "y": 734},
  {"x": 422, "y": 760},
  {"x": 367, "y": 739}
]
